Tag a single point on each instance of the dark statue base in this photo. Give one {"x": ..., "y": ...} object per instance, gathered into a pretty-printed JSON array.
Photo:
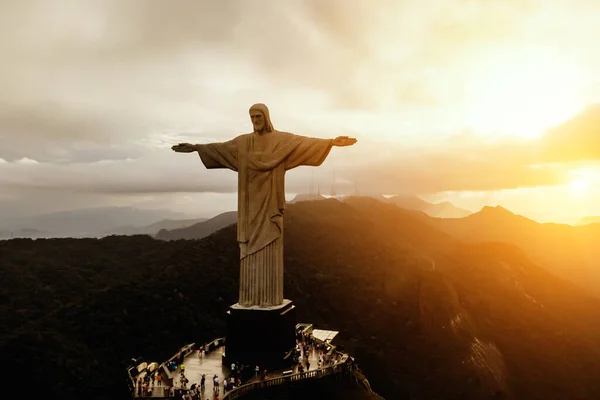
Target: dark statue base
[{"x": 261, "y": 336}]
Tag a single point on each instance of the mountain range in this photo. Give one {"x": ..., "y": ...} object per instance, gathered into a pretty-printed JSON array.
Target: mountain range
[
  {"x": 105, "y": 221},
  {"x": 427, "y": 314},
  {"x": 93, "y": 222},
  {"x": 441, "y": 210},
  {"x": 571, "y": 252},
  {"x": 201, "y": 229},
  {"x": 205, "y": 228},
  {"x": 153, "y": 229}
]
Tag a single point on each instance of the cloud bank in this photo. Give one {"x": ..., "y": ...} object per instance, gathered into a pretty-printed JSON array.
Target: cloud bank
[{"x": 94, "y": 93}]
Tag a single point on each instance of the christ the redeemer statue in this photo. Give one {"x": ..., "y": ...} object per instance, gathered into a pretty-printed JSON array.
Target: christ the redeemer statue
[{"x": 261, "y": 159}]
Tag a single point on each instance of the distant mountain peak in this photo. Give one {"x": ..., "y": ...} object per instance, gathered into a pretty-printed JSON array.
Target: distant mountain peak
[
  {"x": 307, "y": 197},
  {"x": 444, "y": 209},
  {"x": 496, "y": 210},
  {"x": 589, "y": 220},
  {"x": 499, "y": 214}
]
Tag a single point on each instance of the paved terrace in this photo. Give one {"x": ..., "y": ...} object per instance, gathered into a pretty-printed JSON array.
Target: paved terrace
[{"x": 211, "y": 364}]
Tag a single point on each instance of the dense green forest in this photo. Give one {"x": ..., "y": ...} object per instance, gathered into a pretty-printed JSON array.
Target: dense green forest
[{"x": 426, "y": 315}]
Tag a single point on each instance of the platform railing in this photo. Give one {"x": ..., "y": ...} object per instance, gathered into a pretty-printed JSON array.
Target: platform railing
[
  {"x": 282, "y": 380},
  {"x": 164, "y": 392}
]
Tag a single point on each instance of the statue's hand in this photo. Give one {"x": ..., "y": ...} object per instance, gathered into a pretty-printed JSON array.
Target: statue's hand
[
  {"x": 343, "y": 141},
  {"x": 184, "y": 148}
]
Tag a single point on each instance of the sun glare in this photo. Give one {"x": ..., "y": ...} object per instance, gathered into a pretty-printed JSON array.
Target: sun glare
[
  {"x": 580, "y": 187},
  {"x": 584, "y": 181},
  {"x": 521, "y": 95}
]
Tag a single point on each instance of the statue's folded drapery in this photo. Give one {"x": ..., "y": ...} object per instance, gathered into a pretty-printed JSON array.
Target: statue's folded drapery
[{"x": 261, "y": 161}]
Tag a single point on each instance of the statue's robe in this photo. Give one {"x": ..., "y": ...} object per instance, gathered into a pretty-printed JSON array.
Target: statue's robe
[{"x": 261, "y": 161}]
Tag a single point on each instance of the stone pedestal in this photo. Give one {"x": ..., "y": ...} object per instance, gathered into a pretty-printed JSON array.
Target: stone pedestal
[{"x": 261, "y": 336}]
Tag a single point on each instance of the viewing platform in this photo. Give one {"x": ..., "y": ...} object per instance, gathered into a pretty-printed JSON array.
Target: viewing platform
[{"x": 173, "y": 383}]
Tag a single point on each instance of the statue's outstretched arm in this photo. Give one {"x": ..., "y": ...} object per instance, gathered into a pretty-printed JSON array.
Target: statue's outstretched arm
[{"x": 213, "y": 155}]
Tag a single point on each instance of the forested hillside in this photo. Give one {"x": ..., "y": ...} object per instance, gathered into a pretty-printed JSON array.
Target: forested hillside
[{"x": 426, "y": 315}]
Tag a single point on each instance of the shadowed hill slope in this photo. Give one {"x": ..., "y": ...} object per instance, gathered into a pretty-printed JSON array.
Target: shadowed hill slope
[{"x": 426, "y": 316}]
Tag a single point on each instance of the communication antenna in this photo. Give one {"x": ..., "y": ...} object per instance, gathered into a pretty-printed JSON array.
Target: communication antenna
[{"x": 333, "y": 192}]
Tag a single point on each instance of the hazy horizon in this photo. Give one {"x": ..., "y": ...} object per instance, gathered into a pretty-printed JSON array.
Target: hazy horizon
[
  {"x": 177, "y": 215},
  {"x": 475, "y": 103}
]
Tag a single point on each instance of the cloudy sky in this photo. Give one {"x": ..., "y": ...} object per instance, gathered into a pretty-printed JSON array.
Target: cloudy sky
[{"x": 473, "y": 101}]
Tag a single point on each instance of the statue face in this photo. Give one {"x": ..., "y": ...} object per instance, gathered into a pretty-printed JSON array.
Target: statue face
[{"x": 258, "y": 120}]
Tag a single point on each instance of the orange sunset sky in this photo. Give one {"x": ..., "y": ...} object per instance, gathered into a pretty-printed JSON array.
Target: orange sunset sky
[{"x": 476, "y": 102}]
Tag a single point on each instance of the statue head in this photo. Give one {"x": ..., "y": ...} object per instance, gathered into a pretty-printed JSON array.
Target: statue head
[{"x": 261, "y": 121}]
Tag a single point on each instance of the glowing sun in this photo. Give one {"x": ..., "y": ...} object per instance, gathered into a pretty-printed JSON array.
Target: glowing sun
[
  {"x": 580, "y": 187},
  {"x": 521, "y": 94}
]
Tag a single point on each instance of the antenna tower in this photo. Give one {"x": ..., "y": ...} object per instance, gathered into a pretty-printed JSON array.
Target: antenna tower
[{"x": 333, "y": 192}]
